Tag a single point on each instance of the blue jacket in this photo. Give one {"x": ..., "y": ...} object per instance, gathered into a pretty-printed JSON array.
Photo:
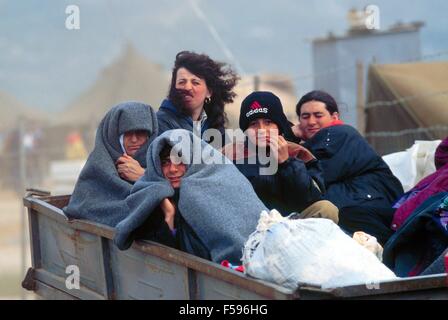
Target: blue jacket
[
  {"x": 169, "y": 117},
  {"x": 354, "y": 174},
  {"x": 292, "y": 188}
]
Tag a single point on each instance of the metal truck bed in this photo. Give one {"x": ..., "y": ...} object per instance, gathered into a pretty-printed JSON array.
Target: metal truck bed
[{"x": 149, "y": 270}]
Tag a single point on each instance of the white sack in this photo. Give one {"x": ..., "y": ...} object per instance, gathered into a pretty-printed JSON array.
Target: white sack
[{"x": 312, "y": 251}]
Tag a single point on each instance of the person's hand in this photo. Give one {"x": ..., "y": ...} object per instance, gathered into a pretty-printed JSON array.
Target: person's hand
[
  {"x": 279, "y": 148},
  {"x": 300, "y": 152},
  {"x": 297, "y": 131},
  {"x": 236, "y": 151},
  {"x": 169, "y": 210},
  {"x": 229, "y": 151},
  {"x": 128, "y": 168}
]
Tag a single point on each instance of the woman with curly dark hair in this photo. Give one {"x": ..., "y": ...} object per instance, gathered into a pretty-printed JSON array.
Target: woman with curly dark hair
[{"x": 200, "y": 88}]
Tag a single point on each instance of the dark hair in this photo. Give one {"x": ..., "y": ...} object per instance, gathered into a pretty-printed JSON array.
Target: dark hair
[
  {"x": 318, "y": 95},
  {"x": 165, "y": 153},
  {"x": 219, "y": 78}
]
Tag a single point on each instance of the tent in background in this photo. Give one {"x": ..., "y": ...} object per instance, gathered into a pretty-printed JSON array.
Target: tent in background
[
  {"x": 131, "y": 77},
  {"x": 406, "y": 102}
]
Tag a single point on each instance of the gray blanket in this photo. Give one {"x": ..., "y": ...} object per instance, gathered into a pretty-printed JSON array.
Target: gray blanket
[
  {"x": 100, "y": 193},
  {"x": 216, "y": 200}
]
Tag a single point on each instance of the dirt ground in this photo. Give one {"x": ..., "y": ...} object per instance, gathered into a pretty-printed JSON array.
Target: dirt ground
[{"x": 12, "y": 268}]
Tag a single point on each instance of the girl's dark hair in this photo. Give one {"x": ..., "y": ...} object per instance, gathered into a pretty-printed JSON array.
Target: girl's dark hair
[
  {"x": 165, "y": 153},
  {"x": 318, "y": 95},
  {"x": 219, "y": 78}
]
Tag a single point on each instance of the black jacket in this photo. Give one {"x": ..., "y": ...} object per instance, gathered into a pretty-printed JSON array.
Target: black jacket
[
  {"x": 292, "y": 188},
  {"x": 184, "y": 238},
  {"x": 354, "y": 174}
]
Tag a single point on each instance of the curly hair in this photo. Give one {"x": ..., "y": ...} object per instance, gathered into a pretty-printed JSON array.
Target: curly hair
[{"x": 219, "y": 78}]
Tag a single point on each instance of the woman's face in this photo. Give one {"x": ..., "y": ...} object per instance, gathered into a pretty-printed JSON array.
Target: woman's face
[
  {"x": 195, "y": 89},
  {"x": 133, "y": 140},
  {"x": 260, "y": 130},
  {"x": 313, "y": 117},
  {"x": 173, "y": 172}
]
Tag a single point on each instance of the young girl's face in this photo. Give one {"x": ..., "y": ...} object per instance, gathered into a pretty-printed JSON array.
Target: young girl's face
[
  {"x": 260, "y": 130},
  {"x": 173, "y": 172}
]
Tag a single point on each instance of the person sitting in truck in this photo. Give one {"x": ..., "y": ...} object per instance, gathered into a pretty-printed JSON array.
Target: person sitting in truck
[
  {"x": 116, "y": 162},
  {"x": 427, "y": 187},
  {"x": 166, "y": 224},
  {"x": 191, "y": 198},
  {"x": 409, "y": 205},
  {"x": 199, "y": 91},
  {"x": 357, "y": 180},
  {"x": 294, "y": 183}
]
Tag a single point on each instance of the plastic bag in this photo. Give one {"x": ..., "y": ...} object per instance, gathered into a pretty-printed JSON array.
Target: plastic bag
[
  {"x": 414, "y": 164},
  {"x": 312, "y": 251}
]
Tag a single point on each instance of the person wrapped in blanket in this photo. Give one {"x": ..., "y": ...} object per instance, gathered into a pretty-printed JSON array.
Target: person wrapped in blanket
[
  {"x": 116, "y": 162},
  {"x": 357, "y": 180},
  {"x": 164, "y": 225},
  {"x": 191, "y": 198}
]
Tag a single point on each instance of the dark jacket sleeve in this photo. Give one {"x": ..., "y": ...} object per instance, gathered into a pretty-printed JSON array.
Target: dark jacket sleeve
[
  {"x": 156, "y": 229},
  {"x": 163, "y": 235},
  {"x": 353, "y": 172},
  {"x": 164, "y": 122},
  {"x": 302, "y": 184}
]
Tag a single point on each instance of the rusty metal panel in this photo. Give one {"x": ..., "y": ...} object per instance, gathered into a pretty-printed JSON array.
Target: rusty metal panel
[
  {"x": 47, "y": 292},
  {"x": 215, "y": 271},
  {"x": 61, "y": 246},
  {"x": 214, "y": 289},
  {"x": 58, "y": 283},
  {"x": 139, "y": 276},
  {"x": 152, "y": 271},
  {"x": 33, "y": 225}
]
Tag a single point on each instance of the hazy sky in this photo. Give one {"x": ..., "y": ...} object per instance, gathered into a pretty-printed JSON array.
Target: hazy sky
[{"x": 46, "y": 66}]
